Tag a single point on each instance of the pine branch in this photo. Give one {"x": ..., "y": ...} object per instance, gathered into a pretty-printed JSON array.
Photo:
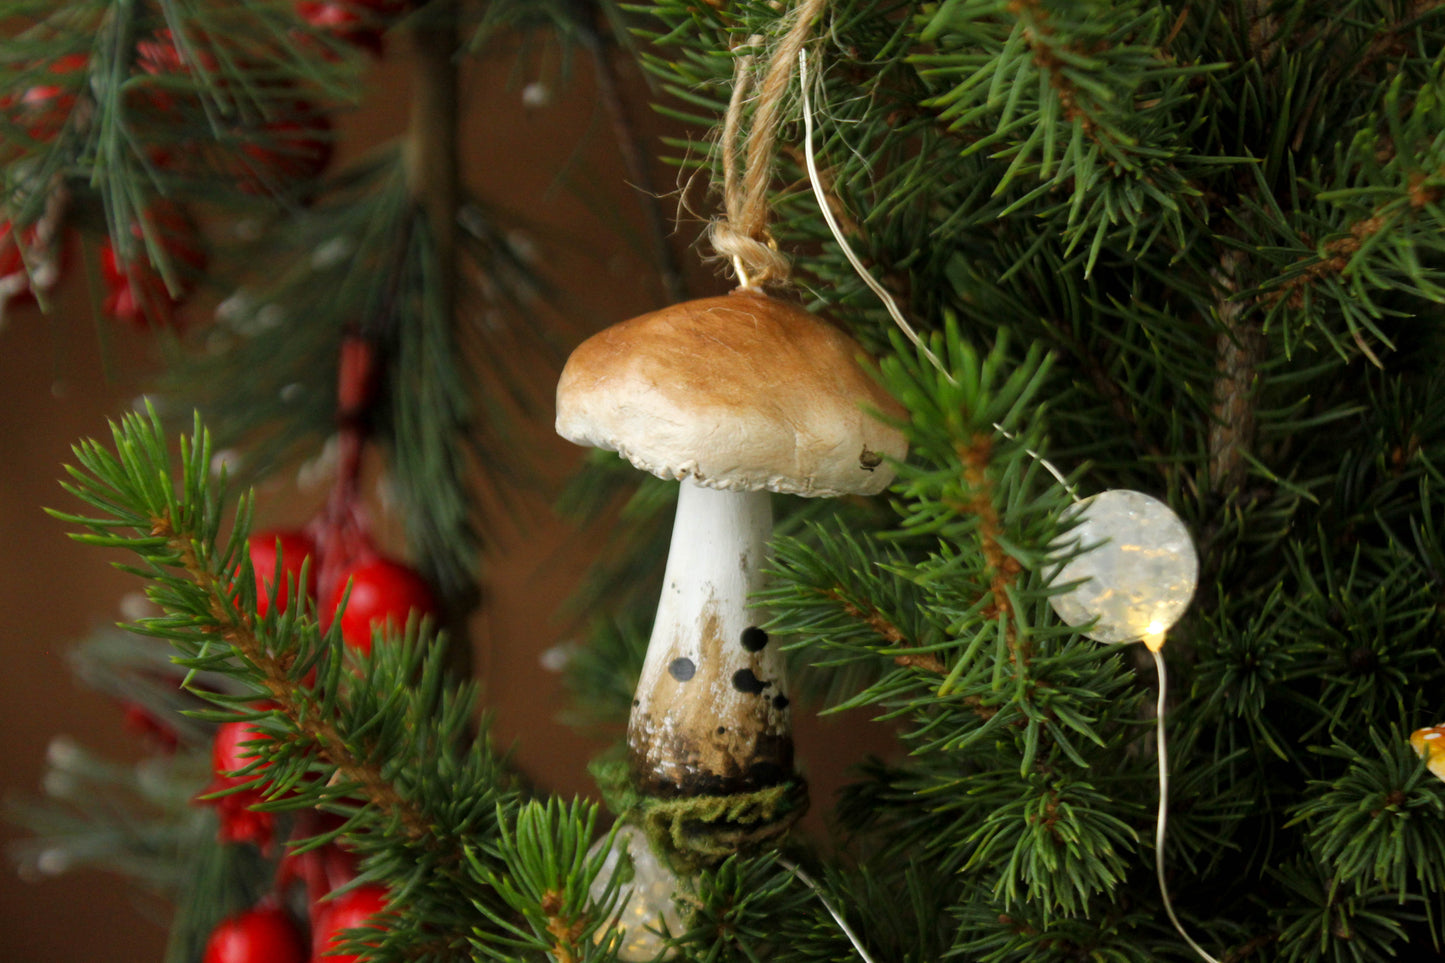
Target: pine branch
[
  {"x": 1119, "y": 404},
  {"x": 1148, "y": 242},
  {"x": 889, "y": 632},
  {"x": 385, "y": 741},
  {"x": 140, "y": 821},
  {"x": 550, "y": 869},
  {"x": 605, "y": 52},
  {"x": 1393, "y": 824},
  {"x": 179, "y": 534},
  {"x": 430, "y": 152}
]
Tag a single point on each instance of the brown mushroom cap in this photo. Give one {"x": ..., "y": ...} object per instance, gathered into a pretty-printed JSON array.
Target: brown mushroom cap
[{"x": 739, "y": 392}]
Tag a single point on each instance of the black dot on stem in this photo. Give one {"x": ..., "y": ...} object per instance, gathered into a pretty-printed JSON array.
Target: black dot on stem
[
  {"x": 780, "y": 702},
  {"x": 754, "y": 638},
  {"x": 682, "y": 669},
  {"x": 745, "y": 681}
]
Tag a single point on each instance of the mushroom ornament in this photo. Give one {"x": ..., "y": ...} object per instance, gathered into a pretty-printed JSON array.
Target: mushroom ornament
[
  {"x": 1429, "y": 744},
  {"x": 735, "y": 396}
]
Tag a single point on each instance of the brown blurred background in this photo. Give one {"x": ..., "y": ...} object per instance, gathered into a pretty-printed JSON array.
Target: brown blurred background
[{"x": 555, "y": 161}]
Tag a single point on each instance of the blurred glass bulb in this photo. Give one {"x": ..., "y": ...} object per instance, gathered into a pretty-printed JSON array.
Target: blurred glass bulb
[
  {"x": 645, "y": 902},
  {"x": 1137, "y": 570}
]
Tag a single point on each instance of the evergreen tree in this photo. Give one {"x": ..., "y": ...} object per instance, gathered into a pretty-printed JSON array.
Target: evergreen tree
[{"x": 1191, "y": 250}]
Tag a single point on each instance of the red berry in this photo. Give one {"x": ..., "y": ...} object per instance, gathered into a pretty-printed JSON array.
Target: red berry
[
  {"x": 360, "y": 23},
  {"x": 234, "y": 749},
  {"x": 166, "y": 67},
  {"x": 10, "y": 260},
  {"x": 158, "y": 55},
  {"x": 137, "y": 293},
  {"x": 264, "y": 934},
  {"x": 19, "y": 281},
  {"x": 340, "y": 19},
  {"x": 292, "y": 142},
  {"x": 295, "y": 547},
  {"x": 141, "y": 721},
  {"x": 230, "y": 753},
  {"x": 42, "y": 110},
  {"x": 351, "y": 910},
  {"x": 383, "y": 591},
  {"x": 289, "y": 149},
  {"x": 320, "y": 869}
]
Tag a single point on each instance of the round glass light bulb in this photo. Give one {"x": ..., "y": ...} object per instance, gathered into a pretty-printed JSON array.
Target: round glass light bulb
[
  {"x": 645, "y": 902},
  {"x": 1136, "y": 572}
]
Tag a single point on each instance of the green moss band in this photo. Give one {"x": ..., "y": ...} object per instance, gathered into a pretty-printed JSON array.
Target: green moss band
[
  {"x": 692, "y": 832},
  {"x": 697, "y": 831}
]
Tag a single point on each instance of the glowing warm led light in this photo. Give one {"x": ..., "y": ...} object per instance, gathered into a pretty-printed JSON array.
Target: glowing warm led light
[{"x": 1136, "y": 573}]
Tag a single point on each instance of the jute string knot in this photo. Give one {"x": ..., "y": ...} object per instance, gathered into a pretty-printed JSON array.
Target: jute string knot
[
  {"x": 755, "y": 261},
  {"x": 741, "y": 234}
]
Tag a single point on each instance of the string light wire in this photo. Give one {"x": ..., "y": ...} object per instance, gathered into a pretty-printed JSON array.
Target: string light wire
[
  {"x": 1161, "y": 821},
  {"x": 1048, "y": 465},
  {"x": 797, "y": 871},
  {"x": 817, "y": 184}
]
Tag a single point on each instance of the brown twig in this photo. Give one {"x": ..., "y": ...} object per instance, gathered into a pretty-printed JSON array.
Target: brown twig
[
  {"x": 890, "y": 633},
  {"x": 1038, "y": 33},
  {"x": 456, "y": 948},
  {"x": 565, "y": 933},
  {"x": 1239, "y": 350},
  {"x": 1387, "y": 46},
  {"x": 894, "y": 636},
  {"x": 1334, "y": 259},
  {"x": 1250, "y": 948},
  {"x": 1331, "y": 262},
  {"x": 1001, "y": 568}
]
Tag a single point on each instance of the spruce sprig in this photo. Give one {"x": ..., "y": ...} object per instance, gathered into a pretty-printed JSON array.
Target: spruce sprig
[
  {"x": 1083, "y": 97},
  {"x": 207, "y": 589},
  {"x": 385, "y": 742},
  {"x": 1381, "y": 824},
  {"x": 1318, "y": 921},
  {"x": 550, "y": 868}
]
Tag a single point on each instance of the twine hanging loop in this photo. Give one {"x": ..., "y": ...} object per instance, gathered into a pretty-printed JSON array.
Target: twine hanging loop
[{"x": 741, "y": 234}]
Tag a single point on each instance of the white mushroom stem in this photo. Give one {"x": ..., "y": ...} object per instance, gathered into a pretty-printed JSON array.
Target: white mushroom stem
[{"x": 711, "y": 710}]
